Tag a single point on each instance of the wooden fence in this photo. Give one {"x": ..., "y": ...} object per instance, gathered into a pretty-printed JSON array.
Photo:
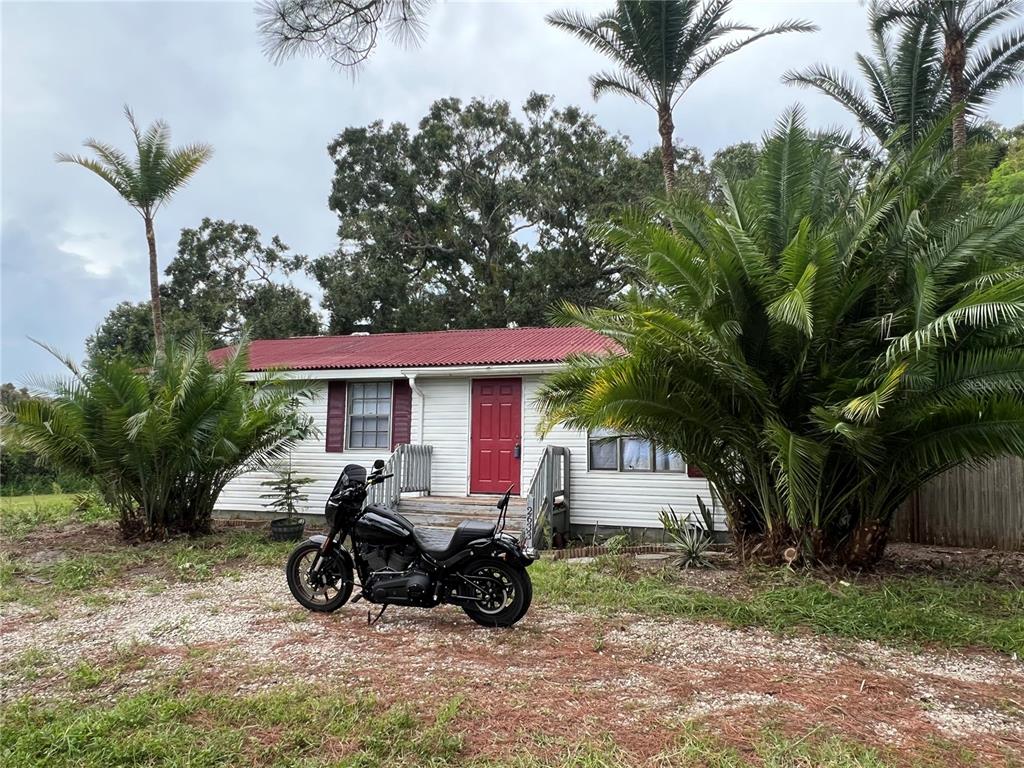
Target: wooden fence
[{"x": 968, "y": 508}]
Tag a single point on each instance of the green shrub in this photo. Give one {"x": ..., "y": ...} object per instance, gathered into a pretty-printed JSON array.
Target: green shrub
[{"x": 161, "y": 442}]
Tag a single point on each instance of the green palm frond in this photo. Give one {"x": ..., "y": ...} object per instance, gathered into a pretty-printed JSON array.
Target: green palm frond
[
  {"x": 660, "y": 49},
  {"x": 999, "y": 65},
  {"x": 821, "y": 347},
  {"x": 621, "y": 83},
  {"x": 712, "y": 57},
  {"x": 149, "y": 179},
  {"x": 166, "y": 439},
  {"x": 952, "y": 38}
]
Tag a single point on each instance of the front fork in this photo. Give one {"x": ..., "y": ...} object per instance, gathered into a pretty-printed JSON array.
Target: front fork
[{"x": 326, "y": 546}]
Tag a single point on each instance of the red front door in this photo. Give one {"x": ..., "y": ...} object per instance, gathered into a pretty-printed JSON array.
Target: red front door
[{"x": 495, "y": 432}]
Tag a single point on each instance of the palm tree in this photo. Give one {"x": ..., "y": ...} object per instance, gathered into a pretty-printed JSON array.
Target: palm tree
[
  {"x": 821, "y": 348},
  {"x": 907, "y": 89},
  {"x": 162, "y": 441},
  {"x": 661, "y": 48},
  {"x": 961, "y": 28},
  {"x": 146, "y": 183}
]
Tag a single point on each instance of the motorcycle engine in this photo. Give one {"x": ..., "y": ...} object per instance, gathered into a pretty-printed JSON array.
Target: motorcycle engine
[
  {"x": 387, "y": 558},
  {"x": 410, "y": 587}
]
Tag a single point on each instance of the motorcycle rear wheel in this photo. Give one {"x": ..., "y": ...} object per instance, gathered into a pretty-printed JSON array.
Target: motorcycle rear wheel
[
  {"x": 330, "y": 592},
  {"x": 506, "y": 592}
]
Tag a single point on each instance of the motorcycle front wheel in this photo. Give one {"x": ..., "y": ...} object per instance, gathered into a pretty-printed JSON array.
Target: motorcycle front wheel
[
  {"x": 502, "y": 592},
  {"x": 326, "y": 592}
]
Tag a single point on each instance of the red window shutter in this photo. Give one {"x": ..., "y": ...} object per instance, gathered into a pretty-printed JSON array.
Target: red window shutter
[
  {"x": 694, "y": 471},
  {"x": 401, "y": 413},
  {"x": 337, "y": 399}
]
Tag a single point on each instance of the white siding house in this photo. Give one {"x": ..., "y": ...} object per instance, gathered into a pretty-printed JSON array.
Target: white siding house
[{"x": 471, "y": 396}]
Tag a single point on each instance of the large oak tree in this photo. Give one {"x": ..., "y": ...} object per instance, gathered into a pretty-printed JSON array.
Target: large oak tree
[{"x": 479, "y": 217}]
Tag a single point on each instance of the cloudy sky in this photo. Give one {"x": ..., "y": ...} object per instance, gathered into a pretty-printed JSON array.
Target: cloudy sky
[{"x": 71, "y": 249}]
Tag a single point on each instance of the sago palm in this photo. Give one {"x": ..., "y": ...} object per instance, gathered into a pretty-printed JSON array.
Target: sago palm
[
  {"x": 975, "y": 65},
  {"x": 161, "y": 442},
  {"x": 660, "y": 49},
  {"x": 146, "y": 182},
  {"x": 821, "y": 348}
]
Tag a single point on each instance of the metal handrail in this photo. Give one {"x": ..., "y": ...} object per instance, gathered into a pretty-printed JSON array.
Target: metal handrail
[
  {"x": 550, "y": 479},
  {"x": 410, "y": 467}
]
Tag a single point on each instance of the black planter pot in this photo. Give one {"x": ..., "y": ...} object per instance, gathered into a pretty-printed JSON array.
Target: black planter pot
[{"x": 285, "y": 529}]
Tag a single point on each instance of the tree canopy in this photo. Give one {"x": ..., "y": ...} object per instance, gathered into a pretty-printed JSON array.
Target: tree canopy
[
  {"x": 479, "y": 218},
  {"x": 224, "y": 281}
]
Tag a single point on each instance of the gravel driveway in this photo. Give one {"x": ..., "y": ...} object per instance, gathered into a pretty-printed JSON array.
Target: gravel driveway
[{"x": 636, "y": 677}]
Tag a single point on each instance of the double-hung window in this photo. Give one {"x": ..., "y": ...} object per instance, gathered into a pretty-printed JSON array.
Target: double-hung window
[
  {"x": 609, "y": 451},
  {"x": 369, "y": 414}
]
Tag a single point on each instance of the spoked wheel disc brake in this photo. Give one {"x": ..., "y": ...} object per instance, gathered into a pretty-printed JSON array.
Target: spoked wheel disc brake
[
  {"x": 324, "y": 586},
  {"x": 492, "y": 588}
]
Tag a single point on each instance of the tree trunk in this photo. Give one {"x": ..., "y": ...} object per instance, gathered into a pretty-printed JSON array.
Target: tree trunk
[
  {"x": 866, "y": 544},
  {"x": 154, "y": 287},
  {"x": 668, "y": 150},
  {"x": 955, "y": 61}
]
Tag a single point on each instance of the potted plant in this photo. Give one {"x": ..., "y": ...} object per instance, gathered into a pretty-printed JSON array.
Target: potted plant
[{"x": 285, "y": 496}]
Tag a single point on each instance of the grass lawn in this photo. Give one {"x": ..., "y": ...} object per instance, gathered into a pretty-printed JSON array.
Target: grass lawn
[
  {"x": 20, "y": 515},
  {"x": 951, "y": 610},
  {"x": 314, "y": 727},
  {"x": 916, "y": 609},
  {"x": 63, "y": 544},
  {"x": 471, "y": 699}
]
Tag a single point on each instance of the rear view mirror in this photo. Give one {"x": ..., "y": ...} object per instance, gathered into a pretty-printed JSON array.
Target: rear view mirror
[{"x": 378, "y": 464}]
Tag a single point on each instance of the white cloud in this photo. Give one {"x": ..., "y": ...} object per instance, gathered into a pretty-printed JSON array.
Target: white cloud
[
  {"x": 71, "y": 249},
  {"x": 101, "y": 253}
]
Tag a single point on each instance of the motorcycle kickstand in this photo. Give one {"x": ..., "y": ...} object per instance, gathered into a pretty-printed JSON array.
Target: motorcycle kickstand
[{"x": 370, "y": 622}]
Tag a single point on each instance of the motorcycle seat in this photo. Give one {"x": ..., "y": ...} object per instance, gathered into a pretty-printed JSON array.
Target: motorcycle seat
[{"x": 442, "y": 544}]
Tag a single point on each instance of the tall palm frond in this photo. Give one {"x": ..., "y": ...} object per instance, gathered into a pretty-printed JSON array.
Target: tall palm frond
[
  {"x": 906, "y": 89},
  {"x": 974, "y": 65},
  {"x": 146, "y": 182},
  {"x": 660, "y": 49}
]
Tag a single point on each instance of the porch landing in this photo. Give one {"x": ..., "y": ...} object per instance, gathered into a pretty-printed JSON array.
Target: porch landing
[{"x": 449, "y": 511}]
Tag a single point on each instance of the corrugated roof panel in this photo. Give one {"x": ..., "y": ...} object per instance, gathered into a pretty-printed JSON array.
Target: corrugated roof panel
[{"x": 486, "y": 346}]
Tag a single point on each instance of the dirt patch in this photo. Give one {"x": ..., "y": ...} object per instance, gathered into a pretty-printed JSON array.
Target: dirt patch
[
  {"x": 989, "y": 565},
  {"x": 66, "y": 540},
  {"x": 556, "y": 675}
]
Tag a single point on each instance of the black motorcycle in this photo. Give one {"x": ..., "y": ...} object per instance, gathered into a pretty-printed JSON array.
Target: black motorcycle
[{"x": 477, "y": 566}]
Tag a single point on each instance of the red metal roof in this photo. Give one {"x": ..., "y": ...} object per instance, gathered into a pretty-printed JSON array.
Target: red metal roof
[{"x": 487, "y": 346}]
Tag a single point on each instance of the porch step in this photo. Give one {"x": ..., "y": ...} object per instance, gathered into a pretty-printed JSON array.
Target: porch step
[{"x": 449, "y": 511}]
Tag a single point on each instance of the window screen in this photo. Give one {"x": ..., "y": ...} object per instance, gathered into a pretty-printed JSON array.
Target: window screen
[{"x": 369, "y": 414}]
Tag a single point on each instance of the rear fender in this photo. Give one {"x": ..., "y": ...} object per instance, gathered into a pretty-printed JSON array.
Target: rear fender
[{"x": 498, "y": 548}]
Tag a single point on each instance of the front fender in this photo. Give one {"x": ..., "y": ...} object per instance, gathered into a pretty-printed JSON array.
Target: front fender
[{"x": 337, "y": 549}]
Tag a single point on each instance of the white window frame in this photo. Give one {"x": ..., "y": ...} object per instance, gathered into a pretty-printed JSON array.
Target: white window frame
[
  {"x": 350, "y": 414},
  {"x": 619, "y": 438}
]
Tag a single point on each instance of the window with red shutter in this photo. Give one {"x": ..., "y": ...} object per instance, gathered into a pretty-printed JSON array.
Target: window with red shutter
[
  {"x": 337, "y": 399},
  {"x": 401, "y": 413}
]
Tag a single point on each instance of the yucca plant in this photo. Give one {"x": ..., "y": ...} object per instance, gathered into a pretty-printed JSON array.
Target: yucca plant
[
  {"x": 691, "y": 540},
  {"x": 821, "y": 348},
  {"x": 162, "y": 442}
]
